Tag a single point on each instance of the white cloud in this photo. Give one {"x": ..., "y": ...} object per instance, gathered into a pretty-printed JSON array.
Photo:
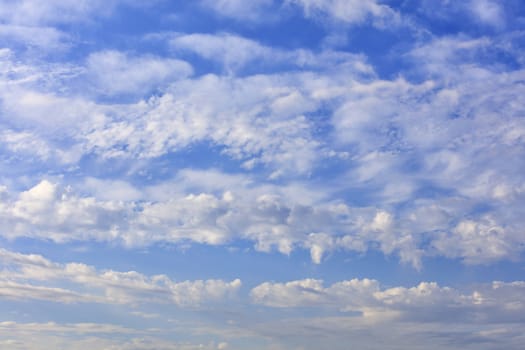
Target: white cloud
[
  {"x": 235, "y": 52},
  {"x": 427, "y": 302},
  {"x": 239, "y": 9},
  {"x": 445, "y": 133},
  {"x": 480, "y": 241},
  {"x": 221, "y": 110},
  {"x": 31, "y": 12},
  {"x": 222, "y": 346},
  {"x": 272, "y": 217},
  {"x": 259, "y": 119},
  {"x": 108, "y": 190},
  {"x": 114, "y": 72},
  {"x": 19, "y": 291},
  {"x": 350, "y": 11},
  {"x": 85, "y": 336},
  {"x": 488, "y": 11},
  {"x": 217, "y": 209},
  {"x": 50, "y": 212},
  {"x": 105, "y": 286},
  {"x": 47, "y": 39},
  {"x": 37, "y": 25},
  {"x": 81, "y": 328},
  {"x": 26, "y": 143},
  {"x": 338, "y": 331}
]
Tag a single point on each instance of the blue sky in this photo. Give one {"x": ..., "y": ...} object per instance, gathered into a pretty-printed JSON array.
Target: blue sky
[{"x": 297, "y": 174}]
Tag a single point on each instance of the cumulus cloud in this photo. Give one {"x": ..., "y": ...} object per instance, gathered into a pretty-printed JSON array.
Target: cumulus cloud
[
  {"x": 427, "y": 302},
  {"x": 220, "y": 209},
  {"x": 113, "y": 287},
  {"x": 59, "y": 216},
  {"x": 365, "y": 312},
  {"x": 273, "y": 218}
]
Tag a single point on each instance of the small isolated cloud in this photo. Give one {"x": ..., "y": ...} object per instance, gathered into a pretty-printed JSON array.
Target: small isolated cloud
[{"x": 222, "y": 346}]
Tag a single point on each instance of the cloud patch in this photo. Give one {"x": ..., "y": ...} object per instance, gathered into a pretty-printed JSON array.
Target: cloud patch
[{"x": 22, "y": 273}]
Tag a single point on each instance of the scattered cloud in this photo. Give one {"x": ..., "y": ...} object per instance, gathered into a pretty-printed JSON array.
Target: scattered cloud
[{"x": 374, "y": 131}]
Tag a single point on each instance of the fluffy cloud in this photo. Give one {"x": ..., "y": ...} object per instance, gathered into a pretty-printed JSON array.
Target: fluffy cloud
[
  {"x": 47, "y": 211},
  {"x": 112, "y": 287},
  {"x": 362, "y": 311},
  {"x": 421, "y": 156},
  {"x": 428, "y": 302},
  {"x": 235, "y": 115},
  {"x": 221, "y": 209},
  {"x": 272, "y": 217}
]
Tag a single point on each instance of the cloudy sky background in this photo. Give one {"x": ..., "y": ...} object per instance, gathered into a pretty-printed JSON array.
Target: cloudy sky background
[{"x": 228, "y": 174}]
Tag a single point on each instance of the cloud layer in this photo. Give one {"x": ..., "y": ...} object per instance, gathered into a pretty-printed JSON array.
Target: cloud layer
[
  {"x": 28, "y": 277},
  {"x": 293, "y": 145}
]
